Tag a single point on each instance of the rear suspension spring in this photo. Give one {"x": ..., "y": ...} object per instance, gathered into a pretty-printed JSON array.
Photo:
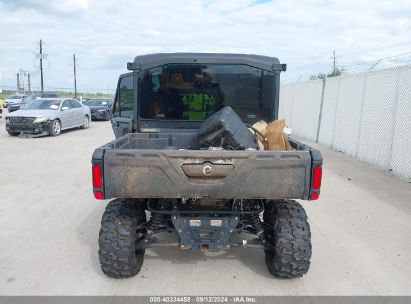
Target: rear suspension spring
[
  {"x": 157, "y": 219},
  {"x": 252, "y": 221}
]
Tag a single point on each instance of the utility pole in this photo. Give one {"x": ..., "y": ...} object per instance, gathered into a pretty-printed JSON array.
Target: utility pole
[
  {"x": 75, "y": 77},
  {"x": 18, "y": 82},
  {"x": 334, "y": 62},
  {"x": 41, "y": 56},
  {"x": 22, "y": 85},
  {"x": 41, "y": 66},
  {"x": 28, "y": 82}
]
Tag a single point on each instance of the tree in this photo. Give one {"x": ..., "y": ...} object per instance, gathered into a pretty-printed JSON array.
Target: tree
[
  {"x": 319, "y": 76},
  {"x": 334, "y": 73}
]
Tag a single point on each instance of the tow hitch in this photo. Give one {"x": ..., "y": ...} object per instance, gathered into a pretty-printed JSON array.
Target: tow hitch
[{"x": 205, "y": 233}]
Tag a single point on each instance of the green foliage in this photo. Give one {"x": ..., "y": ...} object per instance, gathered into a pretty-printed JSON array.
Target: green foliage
[
  {"x": 334, "y": 73},
  {"x": 64, "y": 94},
  {"x": 319, "y": 76}
]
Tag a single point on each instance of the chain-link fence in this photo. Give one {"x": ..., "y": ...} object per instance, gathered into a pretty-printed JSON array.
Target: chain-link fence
[{"x": 367, "y": 116}]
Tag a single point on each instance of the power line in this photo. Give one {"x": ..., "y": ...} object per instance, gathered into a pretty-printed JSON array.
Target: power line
[
  {"x": 399, "y": 56},
  {"x": 376, "y": 49}
]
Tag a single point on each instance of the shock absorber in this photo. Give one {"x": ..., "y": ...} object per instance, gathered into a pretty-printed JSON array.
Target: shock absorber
[
  {"x": 156, "y": 218},
  {"x": 252, "y": 221}
]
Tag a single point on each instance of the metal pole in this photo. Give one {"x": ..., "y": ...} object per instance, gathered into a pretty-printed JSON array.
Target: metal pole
[
  {"x": 320, "y": 116},
  {"x": 22, "y": 74},
  {"x": 41, "y": 67},
  {"x": 75, "y": 77},
  {"x": 18, "y": 82},
  {"x": 364, "y": 91},
  {"x": 28, "y": 82},
  {"x": 389, "y": 164}
]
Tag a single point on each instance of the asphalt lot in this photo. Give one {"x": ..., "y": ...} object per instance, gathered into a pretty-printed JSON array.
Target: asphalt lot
[{"x": 49, "y": 222}]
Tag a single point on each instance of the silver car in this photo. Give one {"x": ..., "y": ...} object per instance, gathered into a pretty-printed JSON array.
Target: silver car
[
  {"x": 12, "y": 99},
  {"x": 48, "y": 115}
]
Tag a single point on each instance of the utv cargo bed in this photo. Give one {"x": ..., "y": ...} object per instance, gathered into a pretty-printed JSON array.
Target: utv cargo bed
[{"x": 140, "y": 165}]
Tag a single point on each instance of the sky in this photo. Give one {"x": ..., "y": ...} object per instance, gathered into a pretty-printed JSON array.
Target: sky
[{"x": 106, "y": 34}]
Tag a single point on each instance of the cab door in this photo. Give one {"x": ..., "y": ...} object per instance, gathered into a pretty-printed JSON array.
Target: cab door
[{"x": 122, "y": 120}]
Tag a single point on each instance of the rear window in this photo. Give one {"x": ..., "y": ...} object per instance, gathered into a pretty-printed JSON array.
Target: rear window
[
  {"x": 192, "y": 92},
  {"x": 14, "y": 97}
]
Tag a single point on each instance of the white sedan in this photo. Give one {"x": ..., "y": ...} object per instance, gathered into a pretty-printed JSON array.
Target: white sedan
[
  {"x": 48, "y": 115},
  {"x": 12, "y": 99}
]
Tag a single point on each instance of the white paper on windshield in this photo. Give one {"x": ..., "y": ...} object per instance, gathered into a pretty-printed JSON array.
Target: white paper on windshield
[
  {"x": 104, "y": 103},
  {"x": 54, "y": 107}
]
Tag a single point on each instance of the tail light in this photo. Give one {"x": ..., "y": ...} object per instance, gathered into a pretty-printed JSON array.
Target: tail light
[
  {"x": 316, "y": 182},
  {"x": 97, "y": 178},
  {"x": 97, "y": 174},
  {"x": 316, "y": 179},
  {"x": 314, "y": 196},
  {"x": 98, "y": 195}
]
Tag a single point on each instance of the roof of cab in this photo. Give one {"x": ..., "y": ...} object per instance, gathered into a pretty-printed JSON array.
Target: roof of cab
[{"x": 148, "y": 61}]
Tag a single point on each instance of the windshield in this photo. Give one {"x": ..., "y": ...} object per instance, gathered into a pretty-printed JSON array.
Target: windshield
[
  {"x": 41, "y": 104},
  {"x": 49, "y": 95},
  {"x": 97, "y": 102},
  {"x": 195, "y": 91},
  {"x": 30, "y": 98},
  {"x": 14, "y": 97}
]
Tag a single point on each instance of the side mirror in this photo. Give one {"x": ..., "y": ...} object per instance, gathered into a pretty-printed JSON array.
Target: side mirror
[{"x": 64, "y": 108}]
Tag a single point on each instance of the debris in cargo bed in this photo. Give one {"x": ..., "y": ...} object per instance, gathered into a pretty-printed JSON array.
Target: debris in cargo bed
[
  {"x": 276, "y": 134},
  {"x": 226, "y": 129}
]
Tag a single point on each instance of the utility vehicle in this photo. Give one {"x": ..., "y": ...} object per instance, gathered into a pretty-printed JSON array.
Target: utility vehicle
[{"x": 162, "y": 180}]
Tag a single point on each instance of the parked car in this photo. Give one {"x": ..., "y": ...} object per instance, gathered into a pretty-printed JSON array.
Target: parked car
[
  {"x": 11, "y": 107},
  {"x": 84, "y": 100},
  {"x": 48, "y": 115},
  {"x": 204, "y": 194},
  {"x": 100, "y": 108},
  {"x": 12, "y": 99},
  {"x": 49, "y": 95}
]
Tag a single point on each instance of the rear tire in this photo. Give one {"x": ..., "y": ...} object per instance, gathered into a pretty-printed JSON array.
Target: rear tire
[
  {"x": 290, "y": 237},
  {"x": 117, "y": 239}
]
